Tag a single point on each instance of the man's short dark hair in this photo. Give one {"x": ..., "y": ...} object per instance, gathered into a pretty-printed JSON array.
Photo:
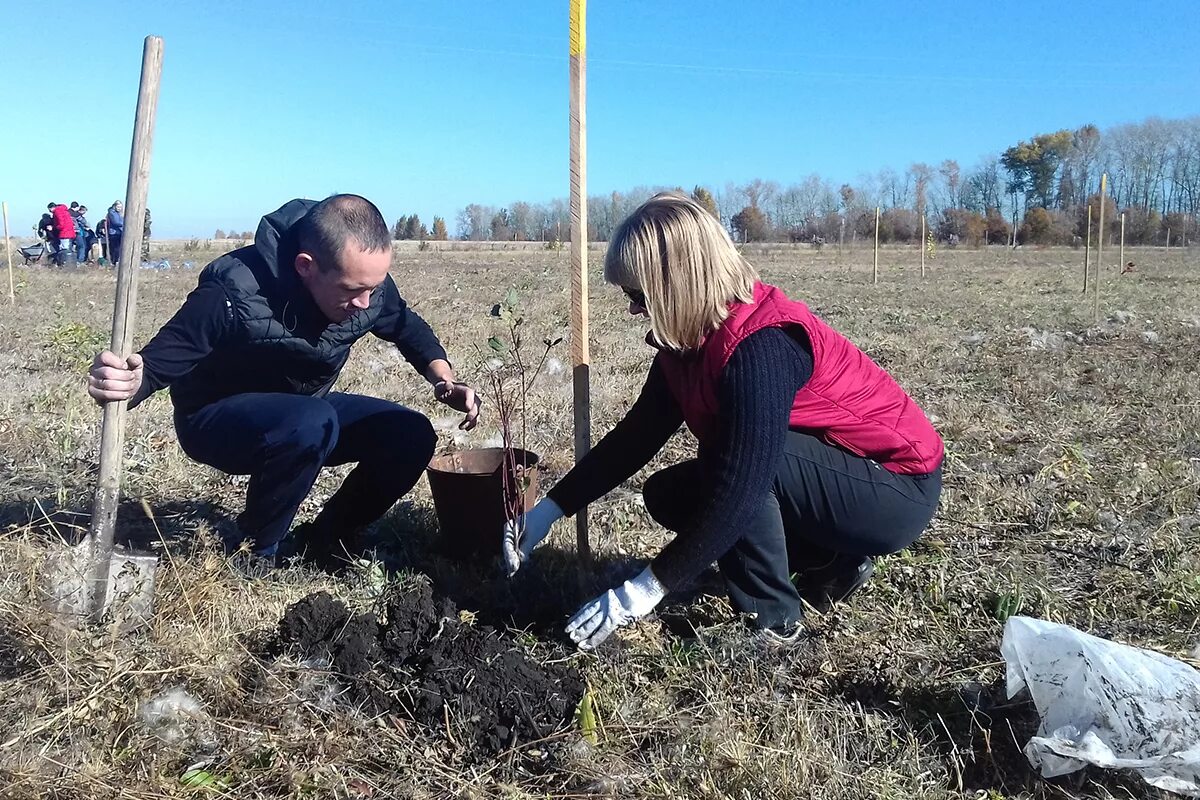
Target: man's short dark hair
[
  {"x": 337, "y": 220},
  {"x": 51, "y": 206},
  {"x": 74, "y": 204}
]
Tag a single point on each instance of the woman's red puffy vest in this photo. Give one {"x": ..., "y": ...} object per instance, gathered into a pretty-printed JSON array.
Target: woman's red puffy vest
[{"x": 849, "y": 402}]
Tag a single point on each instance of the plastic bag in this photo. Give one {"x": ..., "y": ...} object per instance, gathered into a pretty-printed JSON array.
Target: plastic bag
[{"x": 1106, "y": 704}]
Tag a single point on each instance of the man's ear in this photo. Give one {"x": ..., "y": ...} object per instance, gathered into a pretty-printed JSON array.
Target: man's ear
[{"x": 305, "y": 265}]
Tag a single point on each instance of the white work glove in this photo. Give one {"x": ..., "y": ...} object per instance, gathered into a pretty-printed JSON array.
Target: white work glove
[
  {"x": 526, "y": 532},
  {"x": 628, "y": 603}
]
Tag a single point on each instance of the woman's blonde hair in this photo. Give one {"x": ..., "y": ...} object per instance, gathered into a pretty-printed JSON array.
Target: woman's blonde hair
[{"x": 682, "y": 259}]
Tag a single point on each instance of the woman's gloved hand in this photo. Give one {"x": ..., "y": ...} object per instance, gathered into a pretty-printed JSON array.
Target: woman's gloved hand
[
  {"x": 618, "y": 607},
  {"x": 526, "y": 532}
]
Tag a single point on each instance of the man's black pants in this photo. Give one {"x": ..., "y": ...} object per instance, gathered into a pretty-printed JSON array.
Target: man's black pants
[
  {"x": 825, "y": 504},
  {"x": 283, "y": 440}
]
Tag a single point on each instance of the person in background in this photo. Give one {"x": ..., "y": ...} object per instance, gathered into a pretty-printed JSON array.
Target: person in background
[
  {"x": 82, "y": 232},
  {"x": 146, "y": 237},
  {"x": 116, "y": 230},
  {"x": 101, "y": 227},
  {"x": 90, "y": 238},
  {"x": 45, "y": 231},
  {"x": 64, "y": 231},
  {"x": 812, "y": 459}
]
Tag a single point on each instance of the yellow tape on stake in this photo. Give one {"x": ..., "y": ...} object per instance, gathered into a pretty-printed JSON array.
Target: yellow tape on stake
[{"x": 578, "y": 31}]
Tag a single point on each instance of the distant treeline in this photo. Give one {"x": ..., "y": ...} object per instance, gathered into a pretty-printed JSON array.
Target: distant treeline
[{"x": 1041, "y": 188}]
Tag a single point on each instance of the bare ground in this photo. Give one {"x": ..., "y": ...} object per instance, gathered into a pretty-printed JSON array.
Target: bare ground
[{"x": 1071, "y": 494}]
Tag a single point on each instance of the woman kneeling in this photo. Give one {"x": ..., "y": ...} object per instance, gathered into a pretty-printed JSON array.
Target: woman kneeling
[{"x": 811, "y": 459}]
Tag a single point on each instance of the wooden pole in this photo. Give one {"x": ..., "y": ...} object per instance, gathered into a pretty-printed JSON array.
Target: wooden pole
[
  {"x": 875, "y": 269},
  {"x": 922, "y": 245},
  {"x": 112, "y": 432},
  {"x": 1087, "y": 253},
  {"x": 579, "y": 242},
  {"x": 12, "y": 295},
  {"x": 1099, "y": 250},
  {"x": 1167, "y": 246},
  {"x": 1122, "y": 241}
]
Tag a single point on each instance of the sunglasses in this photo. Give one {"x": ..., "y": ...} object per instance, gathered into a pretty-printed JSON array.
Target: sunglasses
[{"x": 636, "y": 296}]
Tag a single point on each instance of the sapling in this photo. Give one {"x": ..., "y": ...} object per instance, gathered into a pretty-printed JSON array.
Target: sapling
[{"x": 510, "y": 376}]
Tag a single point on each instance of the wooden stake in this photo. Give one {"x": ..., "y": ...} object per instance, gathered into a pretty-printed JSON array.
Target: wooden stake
[
  {"x": 12, "y": 295},
  {"x": 112, "y": 432},
  {"x": 579, "y": 242},
  {"x": 1087, "y": 253},
  {"x": 1168, "y": 244},
  {"x": 1099, "y": 250},
  {"x": 875, "y": 269},
  {"x": 922, "y": 245},
  {"x": 1122, "y": 241}
]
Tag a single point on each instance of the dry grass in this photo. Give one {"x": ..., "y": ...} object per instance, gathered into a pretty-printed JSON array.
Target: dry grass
[{"x": 1071, "y": 494}]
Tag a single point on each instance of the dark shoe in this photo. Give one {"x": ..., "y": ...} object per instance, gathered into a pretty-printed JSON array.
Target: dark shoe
[
  {"x": 235, "y": 542},
  {"x": 251, "y": 565},
  {"x": 314, "y": 547},
  {"x": 824, "y": 587}
]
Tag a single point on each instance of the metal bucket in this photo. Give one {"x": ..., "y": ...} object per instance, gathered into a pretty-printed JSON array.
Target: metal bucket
[{"x": 468, "y": 490}]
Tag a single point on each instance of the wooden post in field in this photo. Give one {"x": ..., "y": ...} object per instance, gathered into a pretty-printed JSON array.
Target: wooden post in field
[
  {"x": 1087, "y": 253},
  {"x": 922, "y": 245},
  {"x": 1122, "y": 241},
  {"x": 875, "y": 269},
  {"x": 1167, "y": 246},
  {"x": 1099, "y": 250},
  {"x": 112, "y": 431},
  {"x": 12, "y": 295},
  {"x": 579, "y": 243},
  {"x": 841, "y": 236}
]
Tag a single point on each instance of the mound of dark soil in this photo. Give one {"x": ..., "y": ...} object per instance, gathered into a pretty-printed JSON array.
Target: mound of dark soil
[{"x": 421, "y": 662}]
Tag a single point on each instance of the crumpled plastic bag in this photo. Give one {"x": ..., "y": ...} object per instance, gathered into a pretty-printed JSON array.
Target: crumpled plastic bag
[{"x": 1106, "y": 704}]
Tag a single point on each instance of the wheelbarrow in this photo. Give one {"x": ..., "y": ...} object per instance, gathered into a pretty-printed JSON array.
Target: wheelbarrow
[{"x": 33, "y": 253}]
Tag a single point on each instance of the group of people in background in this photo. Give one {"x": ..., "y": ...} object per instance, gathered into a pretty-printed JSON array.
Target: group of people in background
[{"x": 70, "y": 238}]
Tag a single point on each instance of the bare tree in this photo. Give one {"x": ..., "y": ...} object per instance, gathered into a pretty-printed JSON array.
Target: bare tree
[
  {"x": 984, "y": 187},
  {"x": 951, "y": 187},
  {"x": 920, "y": 175},
  {"x": 759, "y": 193},
  {"x": 524, "y": 221},
  {"x": 474, "y": 222},
  {"x": 896, "y": 188}
]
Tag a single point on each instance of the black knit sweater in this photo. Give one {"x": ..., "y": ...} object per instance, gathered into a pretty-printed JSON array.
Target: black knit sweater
[{"x": 755, "y": 395}]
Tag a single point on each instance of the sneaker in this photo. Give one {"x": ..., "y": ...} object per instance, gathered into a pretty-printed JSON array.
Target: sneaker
[
  {"x": 824, "y": 587},
  {"x": 782, "y": 637}
]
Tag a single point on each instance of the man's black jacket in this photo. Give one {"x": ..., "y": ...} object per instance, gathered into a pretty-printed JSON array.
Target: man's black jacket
[{"x": 251, "y": 326}]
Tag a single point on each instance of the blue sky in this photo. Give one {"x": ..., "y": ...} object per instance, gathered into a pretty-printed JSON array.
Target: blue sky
[{"x": 427, "y": 106}]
